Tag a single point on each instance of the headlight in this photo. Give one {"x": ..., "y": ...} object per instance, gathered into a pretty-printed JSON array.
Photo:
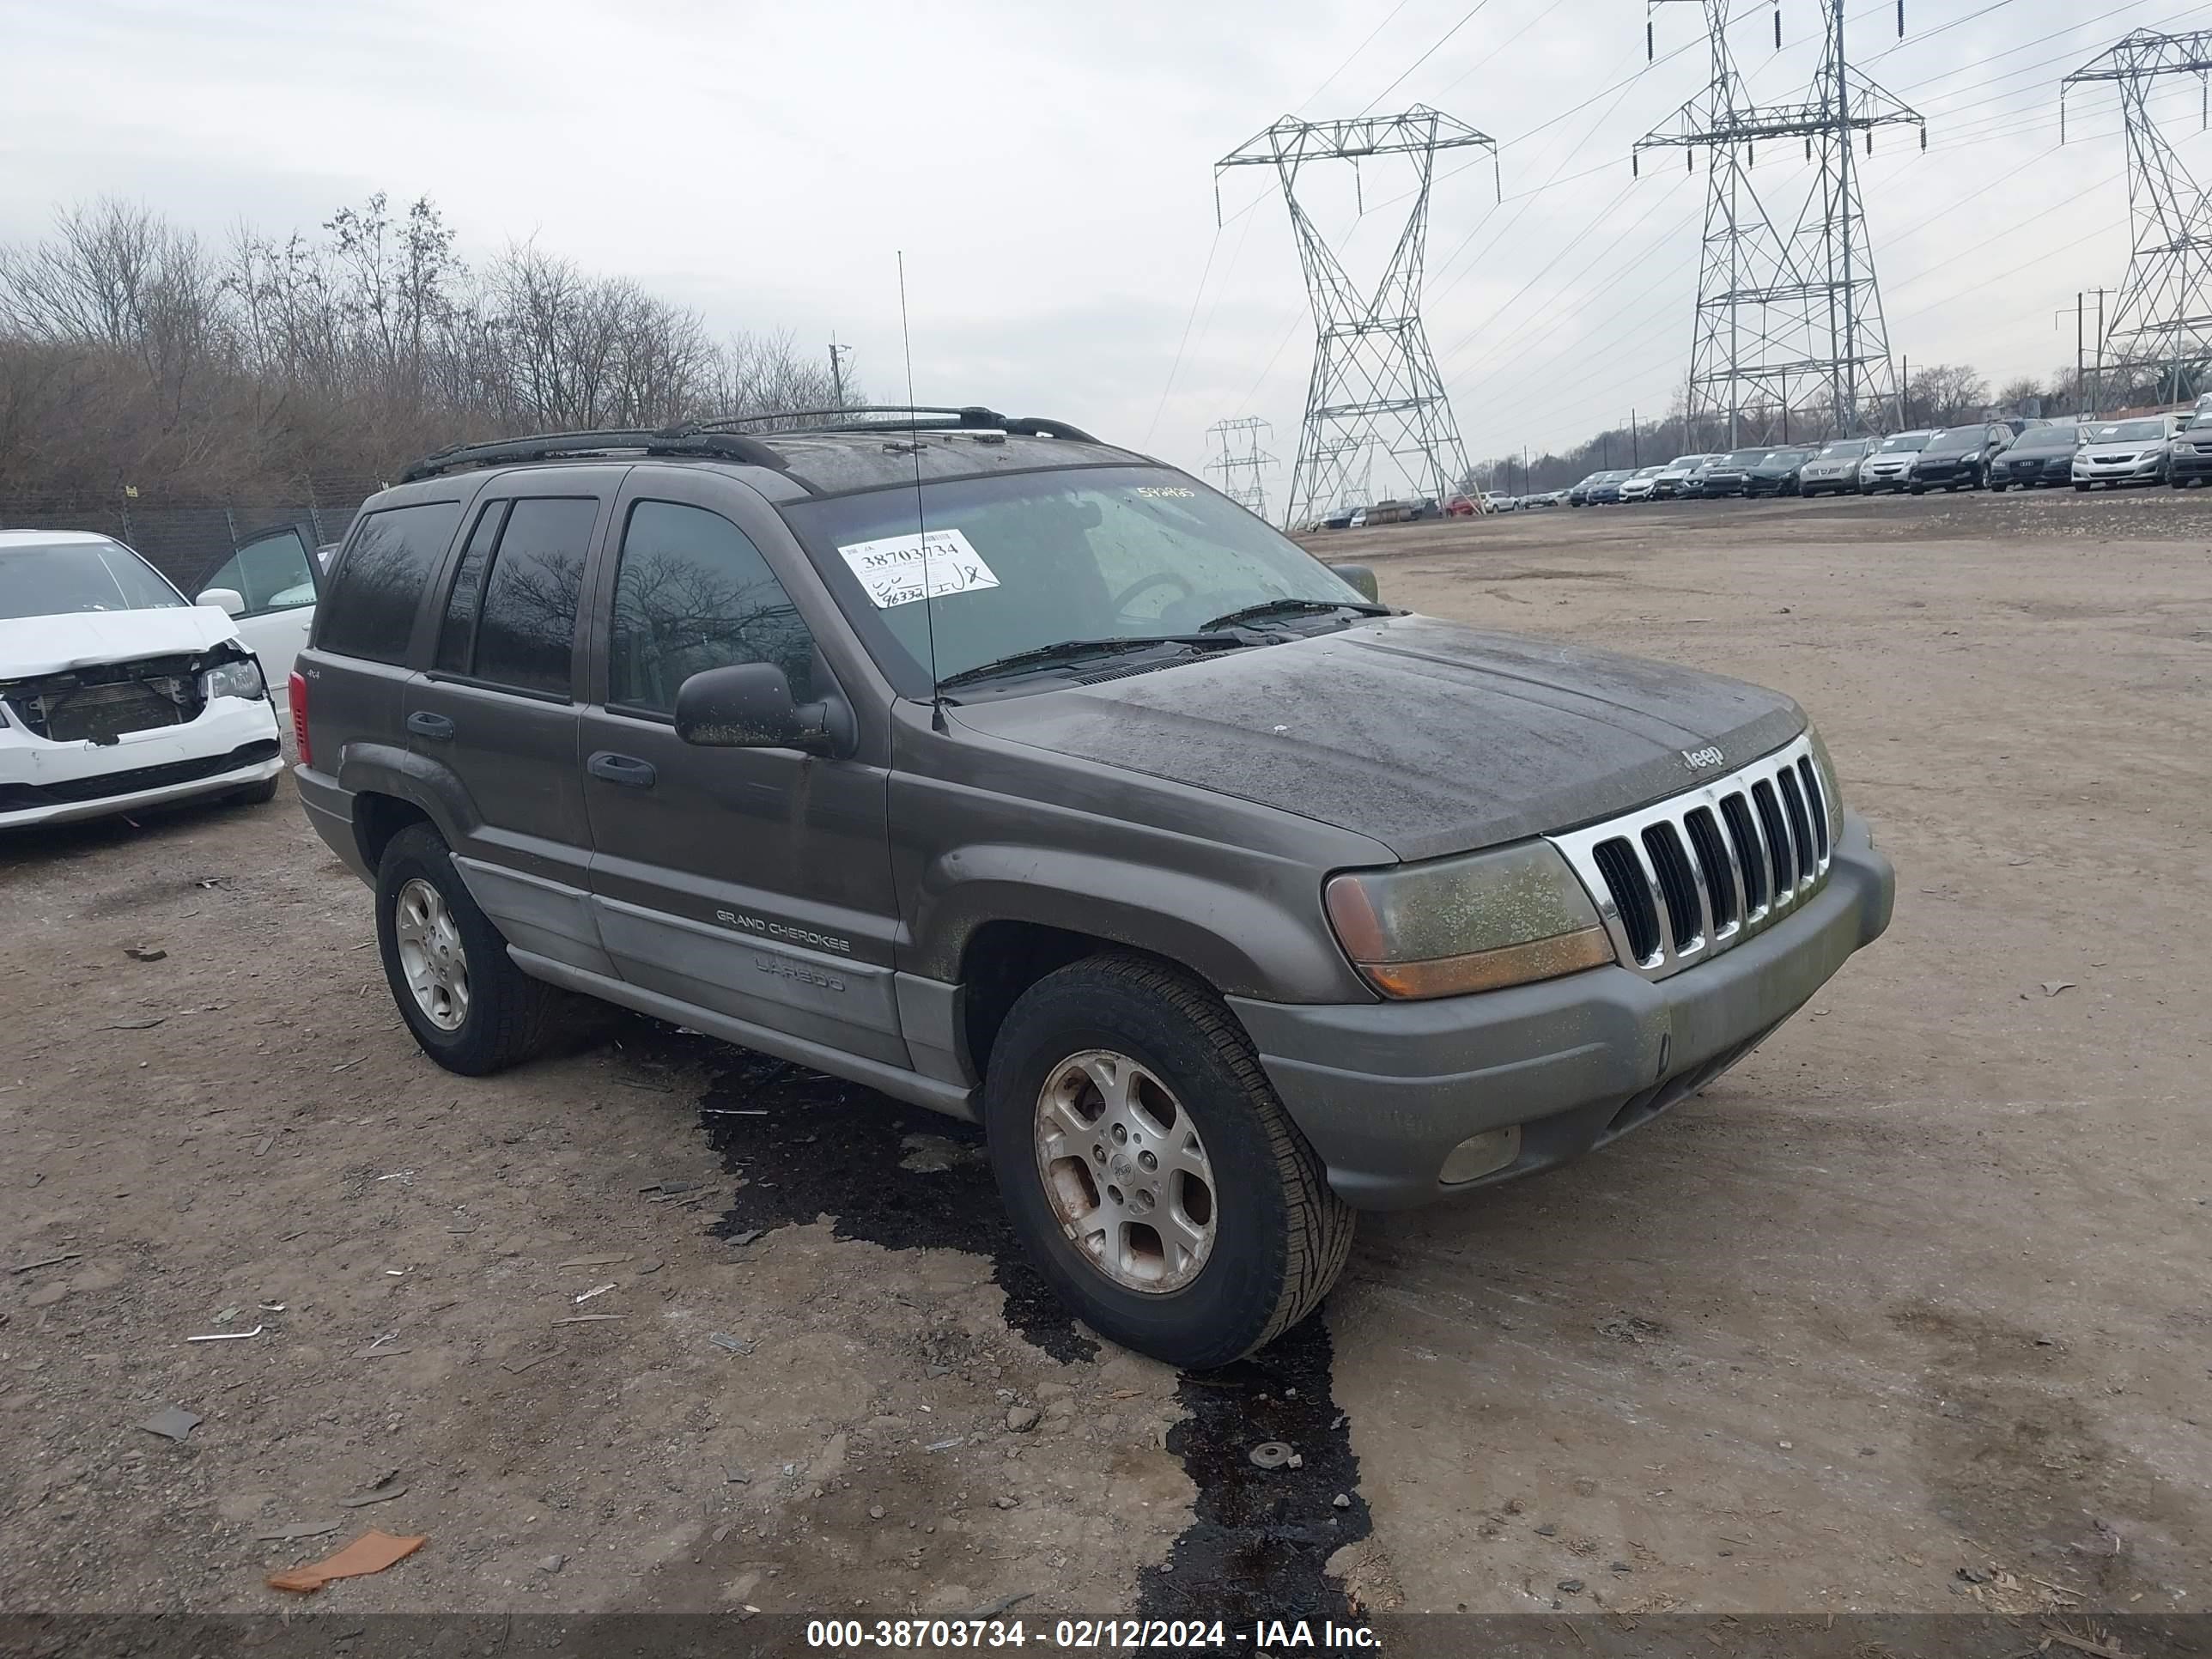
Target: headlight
[
  {"x": 1474, "y": 923},
  {"x": 240, "y": 678}
]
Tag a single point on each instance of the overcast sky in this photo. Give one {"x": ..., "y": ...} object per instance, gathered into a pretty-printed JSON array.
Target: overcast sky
[{"x": 1048, "y": 171}]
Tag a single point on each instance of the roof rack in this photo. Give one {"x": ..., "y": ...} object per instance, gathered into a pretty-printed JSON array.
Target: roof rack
[
  {"x": 713, "y": 440},
  {"x": 550, "y": 445},
  {"x": 906, "y": 418}
]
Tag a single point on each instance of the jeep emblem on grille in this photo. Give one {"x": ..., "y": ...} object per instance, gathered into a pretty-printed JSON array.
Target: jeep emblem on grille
[{"x": 1698, "y": 759}]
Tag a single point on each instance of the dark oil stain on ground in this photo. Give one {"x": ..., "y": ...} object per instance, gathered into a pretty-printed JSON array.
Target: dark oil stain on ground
[
  {"x": 1260, "y": 1541},
  {"x": 828, "y": 1147}
]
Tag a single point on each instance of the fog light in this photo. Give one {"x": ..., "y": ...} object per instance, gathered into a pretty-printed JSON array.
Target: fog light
[{"x": 1481, "y": 1154}]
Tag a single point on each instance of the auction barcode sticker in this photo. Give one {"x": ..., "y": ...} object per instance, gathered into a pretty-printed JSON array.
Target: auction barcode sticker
[{"x": 900, "y": 569}]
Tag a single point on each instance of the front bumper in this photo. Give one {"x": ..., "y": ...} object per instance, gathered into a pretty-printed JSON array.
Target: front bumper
[
  {"x": 1871, "y": 480},
  {"x": 232, "y": 744},
  {"x": 2148, "y": 470},
  {"x": 2190, "y": 464},
  {"x": 1938, "y": 475},
  {"x": 1384, "y": 1090}
]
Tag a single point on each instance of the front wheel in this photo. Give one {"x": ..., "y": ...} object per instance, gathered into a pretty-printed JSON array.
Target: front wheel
[
  {"x": 1153, "y": 1174},
  {"x": 2083, "y": 488}
]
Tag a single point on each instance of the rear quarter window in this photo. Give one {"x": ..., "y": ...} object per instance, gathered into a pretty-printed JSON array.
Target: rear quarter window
[{"x": 370, "y": 609}]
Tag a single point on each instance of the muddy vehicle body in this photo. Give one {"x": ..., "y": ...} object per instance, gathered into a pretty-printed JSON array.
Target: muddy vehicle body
[{"x": 1026, "y": 779}]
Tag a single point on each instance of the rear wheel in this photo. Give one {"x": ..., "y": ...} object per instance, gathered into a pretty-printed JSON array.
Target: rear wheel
[
  {"x": 1154, "y": 1177},
  {"x": 469, "y": 1007},
  {"x": 256, "y": 794}
]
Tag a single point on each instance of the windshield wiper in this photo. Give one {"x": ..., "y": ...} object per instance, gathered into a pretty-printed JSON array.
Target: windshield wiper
[
  {"x": 1071, "y": 651},
  {"x": 1273, "y": 607}
]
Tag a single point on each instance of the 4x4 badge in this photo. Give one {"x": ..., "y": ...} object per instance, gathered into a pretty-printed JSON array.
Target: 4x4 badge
[{"x": 1698, "y": 759}]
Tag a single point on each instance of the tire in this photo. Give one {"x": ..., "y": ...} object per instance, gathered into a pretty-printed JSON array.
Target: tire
[
  {"x": 1919, "y": 490},
  {"x": 2083, "y": 488},
  {"x": 257, "y": 794},
  {"x": 1275, "y": 1237},
  {"x": 504, "y": 1017},
  {"x": 1996, "y": 489}
]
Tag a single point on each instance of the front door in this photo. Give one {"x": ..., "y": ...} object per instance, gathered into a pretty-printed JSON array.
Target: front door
[
  {"x": 496, "y": 708},
  {"x": 752, "y": 883},
  {"x": 278, "y": 577}
]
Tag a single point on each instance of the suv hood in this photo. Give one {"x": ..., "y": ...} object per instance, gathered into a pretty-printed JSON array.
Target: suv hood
[
  {"x": 1422, "y": 734},
  {"x": 31, "y": 645}
]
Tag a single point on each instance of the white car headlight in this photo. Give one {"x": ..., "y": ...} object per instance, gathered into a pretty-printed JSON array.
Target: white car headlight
[
  {"x": 240, "y": 678},
  {"x": 1474, "y": 922}
]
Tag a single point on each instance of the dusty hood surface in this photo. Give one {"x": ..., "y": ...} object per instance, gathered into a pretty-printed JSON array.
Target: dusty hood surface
[
  {"x": 53, "y": 644},
  {"x": 1427, "y": 736}
]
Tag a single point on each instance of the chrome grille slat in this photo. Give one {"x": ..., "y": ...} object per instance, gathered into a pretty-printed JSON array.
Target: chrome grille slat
[{"x": 1769, "y": 826}]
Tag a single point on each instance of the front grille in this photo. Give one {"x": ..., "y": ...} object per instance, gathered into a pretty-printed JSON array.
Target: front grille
[
  {"x": 102, "y": 702},
  {"x": 1706, "y": 869}
]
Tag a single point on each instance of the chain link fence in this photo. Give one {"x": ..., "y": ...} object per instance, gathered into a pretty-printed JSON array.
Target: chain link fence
[{"x": 185, "y": 542}]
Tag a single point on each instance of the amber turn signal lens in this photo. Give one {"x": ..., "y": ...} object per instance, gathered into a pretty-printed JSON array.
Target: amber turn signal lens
[{"x": 1490, "y": 970}]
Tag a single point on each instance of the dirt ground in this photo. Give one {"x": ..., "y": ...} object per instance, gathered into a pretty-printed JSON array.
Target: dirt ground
[{"x": 1912, "y": 1311}]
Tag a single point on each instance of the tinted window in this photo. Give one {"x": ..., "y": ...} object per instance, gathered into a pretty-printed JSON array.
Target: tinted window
[
  {"x": 271, "y": 573},
  {"x": 526, "y": 627},
  {"x": 1959, "y": 437},
  {"x": 56, "y": 579},
  {"x": 2128, "y": 432},
  {"x": 371, "y": 610},
  {"x": 1904, "y": 441},
  {"x": 457, "y": 633},
  {"x": 693, "y": 593}
]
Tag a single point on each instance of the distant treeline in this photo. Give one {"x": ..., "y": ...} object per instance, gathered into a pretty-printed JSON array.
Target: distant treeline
[{"x": 134, "y": 355}]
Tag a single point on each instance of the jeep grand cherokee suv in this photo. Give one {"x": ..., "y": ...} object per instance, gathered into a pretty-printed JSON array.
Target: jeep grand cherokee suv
[{"x": 1030, "y": 780}]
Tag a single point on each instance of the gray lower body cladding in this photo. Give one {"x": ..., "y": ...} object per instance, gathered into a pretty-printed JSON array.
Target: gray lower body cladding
[{"x": 1384, "y": 1090}]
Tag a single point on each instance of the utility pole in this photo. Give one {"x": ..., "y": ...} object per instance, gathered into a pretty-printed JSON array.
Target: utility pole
[
  {"x": 1635, "y": 441},
  {"x": 837, "y": 369},
  {"x": 2162, "y": 318},
  {"x": 1375, "y": 381},
  {"x": 1905, "y": 397},
  {"x": 1774, "y": 305}
]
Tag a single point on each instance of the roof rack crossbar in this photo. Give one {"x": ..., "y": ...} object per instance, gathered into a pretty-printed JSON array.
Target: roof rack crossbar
[
  {"x": 550, "y": 445},
  {"x": 969, "y": 417}
]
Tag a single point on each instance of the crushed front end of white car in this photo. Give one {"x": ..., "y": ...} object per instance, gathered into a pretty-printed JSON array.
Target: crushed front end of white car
[{"x": 106, "y": 711}]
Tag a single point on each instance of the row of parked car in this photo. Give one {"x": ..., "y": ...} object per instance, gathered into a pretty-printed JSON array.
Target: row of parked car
[{"x": 2151, "y": 449}]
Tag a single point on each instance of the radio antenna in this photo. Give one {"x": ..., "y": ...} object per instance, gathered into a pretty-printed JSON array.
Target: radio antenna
[{"x": 920, "y": 523}]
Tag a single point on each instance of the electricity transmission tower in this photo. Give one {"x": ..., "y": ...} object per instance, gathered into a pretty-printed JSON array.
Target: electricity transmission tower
[
  {"x": 1786, "y": 319},
  {"x": 1242, "y": 459},
  {"x": 1375, "y": 381},
  {"x": 2162, "y": 320}
]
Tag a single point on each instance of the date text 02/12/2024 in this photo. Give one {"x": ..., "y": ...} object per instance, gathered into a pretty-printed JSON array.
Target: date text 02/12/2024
[{"x": 926, "y": 1635}]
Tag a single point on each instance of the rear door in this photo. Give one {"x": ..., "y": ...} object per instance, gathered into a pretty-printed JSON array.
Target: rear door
[
  {"x": 279, "y": 577},
  {"x": 752, "y": 883},
  {"x": 498, "y": 706}
]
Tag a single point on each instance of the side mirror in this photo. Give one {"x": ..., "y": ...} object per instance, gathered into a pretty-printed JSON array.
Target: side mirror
[
  {"x": 750, "y": 706},
  {"x": 230, "y": 600},
  {"x": 1361, "y": 578}
]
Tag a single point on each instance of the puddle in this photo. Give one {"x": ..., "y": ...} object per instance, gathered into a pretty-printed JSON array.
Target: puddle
[{"x": 1260, "y": 1539}]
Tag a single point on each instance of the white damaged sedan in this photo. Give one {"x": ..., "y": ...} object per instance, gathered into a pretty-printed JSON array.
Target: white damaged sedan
[{"x": 115, "y": 692}]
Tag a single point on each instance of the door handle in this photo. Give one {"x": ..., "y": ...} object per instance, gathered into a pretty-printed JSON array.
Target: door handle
[
  {"x": 625, "y": 769},
  {"x": 436, "y": 728}
]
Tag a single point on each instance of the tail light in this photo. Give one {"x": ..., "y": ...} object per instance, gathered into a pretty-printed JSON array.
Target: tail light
[{"x": 298, "y": 690}]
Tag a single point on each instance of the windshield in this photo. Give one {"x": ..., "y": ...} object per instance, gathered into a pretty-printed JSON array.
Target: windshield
[
  {"x": 1743, "y": 458},
  {"x": 2059, "y": 435},
  {"x": 1844, "y": 449},
  {"x": 1904, "y": 441},
  {"x": 1785, "y": 457},
  {"x": 1018, "y": 562},
  {"x": 57, "y": 578},
  {"x": 2128, "y": 432},
  {"x": 1959, "y": 437},
  {"x": 1651, "y": 472}
]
